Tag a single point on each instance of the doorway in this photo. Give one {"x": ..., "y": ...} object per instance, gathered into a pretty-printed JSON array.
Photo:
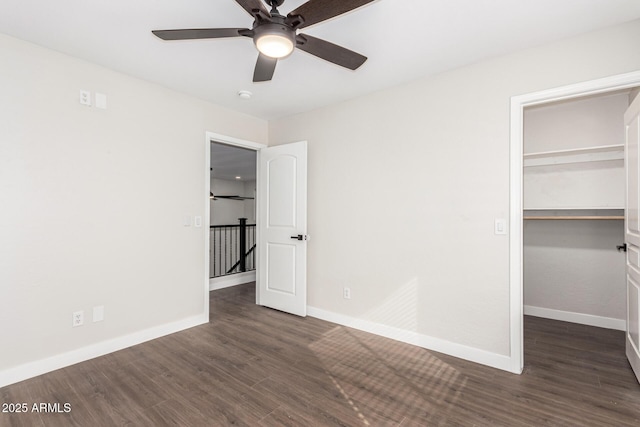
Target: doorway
[
  {"x": 574, "y": 198},
  {"x": 518, "y": 105},
  {"x": 229, "y": 142},
  {"x": 232, "y": 230},
  {"x": 281, "y": 229}
]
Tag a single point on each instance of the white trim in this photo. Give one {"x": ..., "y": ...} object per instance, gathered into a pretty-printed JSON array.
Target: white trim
[
  {"x": 483, "y": 357},
  {"x": 231, "y": 280},
  {"x": 39, "y": 367},
  {"x": 580, "y": 318},
  {"x": 230, "y": 140},
  {"x": 518, "y": 103},
  {"x": 207, "y": 221}
]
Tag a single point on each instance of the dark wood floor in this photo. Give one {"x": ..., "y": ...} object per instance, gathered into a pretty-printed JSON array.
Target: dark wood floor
[{"x": 259, "y": 367}]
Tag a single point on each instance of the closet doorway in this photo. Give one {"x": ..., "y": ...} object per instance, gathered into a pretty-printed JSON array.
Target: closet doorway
[{"x": 519, "y": 104}]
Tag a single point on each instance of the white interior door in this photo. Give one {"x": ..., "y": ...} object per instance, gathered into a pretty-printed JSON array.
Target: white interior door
[
  {"x": 632, "y": 234},
  {"x": 282, "y": 228}
]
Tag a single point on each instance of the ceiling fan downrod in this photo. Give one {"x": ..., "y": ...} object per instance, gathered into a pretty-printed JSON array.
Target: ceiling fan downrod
[{"x": 275, "y": 4}]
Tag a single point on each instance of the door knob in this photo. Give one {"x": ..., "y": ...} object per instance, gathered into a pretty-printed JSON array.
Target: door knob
[
  {"x": 622, "y": 248},
  {"x": 300, "y": 237}
]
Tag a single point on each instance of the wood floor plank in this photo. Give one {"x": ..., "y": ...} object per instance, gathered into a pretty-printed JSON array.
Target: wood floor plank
[
  {"x": 17, "y": 411},
  {"x": 252, "y": 366},
  {"x": 176, "y": 412}
]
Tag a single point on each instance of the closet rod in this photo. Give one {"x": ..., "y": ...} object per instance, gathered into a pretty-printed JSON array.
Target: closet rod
[{"x": 572, "y": 217}]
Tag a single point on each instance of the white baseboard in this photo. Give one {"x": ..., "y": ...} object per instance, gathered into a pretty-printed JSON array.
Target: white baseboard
[
  {"x": 39, "y": 367},
  {"x": 583, "y": 319},
  {"x": 483, "y": 357},
  {"x": 232, "y": 280}
]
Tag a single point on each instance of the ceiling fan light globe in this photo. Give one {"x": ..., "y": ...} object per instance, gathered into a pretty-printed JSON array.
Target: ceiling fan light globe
[{"x": 274, "y": 45}]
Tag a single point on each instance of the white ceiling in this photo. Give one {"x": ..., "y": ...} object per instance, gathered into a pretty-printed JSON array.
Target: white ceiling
[
  {"x": 229, "y": 162},
  {"x": 404, "y": 40}
]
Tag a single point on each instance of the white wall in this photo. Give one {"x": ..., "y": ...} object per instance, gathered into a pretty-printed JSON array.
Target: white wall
[
  {"x": 576, "y": 123},
  {"x": 226, "y": 211},
  {"x": 250, "y": 204},
  {"x": 93, "y": 204},
  {"x": 437, "y": 150},
  {"x": 593, "y": 121},
  {"x": 572, "y": 268}
]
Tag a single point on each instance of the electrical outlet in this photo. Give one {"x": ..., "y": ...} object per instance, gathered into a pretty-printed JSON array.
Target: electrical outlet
[
  {"x": 85, "y": 98},
  {"x": 78, "y": 318},
  {"x": 346, "y": 293}
]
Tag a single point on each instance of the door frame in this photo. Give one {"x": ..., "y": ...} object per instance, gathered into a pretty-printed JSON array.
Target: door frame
[
  {"x": 518, "y": 104},
  {"x": 237, "y": 142}
]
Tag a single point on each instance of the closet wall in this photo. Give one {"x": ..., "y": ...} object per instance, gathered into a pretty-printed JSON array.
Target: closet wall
[{"x": 574, "y": 168}]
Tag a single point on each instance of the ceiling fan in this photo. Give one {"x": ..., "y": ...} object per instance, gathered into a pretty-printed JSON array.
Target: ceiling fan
[
  {"x": 233, "y": 197},
  {"x": 276, "y": 36}
]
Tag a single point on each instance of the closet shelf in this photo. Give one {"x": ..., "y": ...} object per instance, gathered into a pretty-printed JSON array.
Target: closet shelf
[
  {"x": 577, "y": 155},
  {"x": 555, "y": 214},
  {"x": 575, "y": 217}
]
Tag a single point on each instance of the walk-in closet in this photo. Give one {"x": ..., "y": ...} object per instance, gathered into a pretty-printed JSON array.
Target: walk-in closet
[{"x": 574, "y": 198}]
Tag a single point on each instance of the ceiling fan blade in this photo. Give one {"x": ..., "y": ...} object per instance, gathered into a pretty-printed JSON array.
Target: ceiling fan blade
[
  {"x": 315, "y": 11},
  {"x": 255, "y": 8},
  {"x": 198, "y": 33},
  {"x": 265, "y": 66},
  {"x": 330, "y": 52},
  {"x": 239, "y": 198}
]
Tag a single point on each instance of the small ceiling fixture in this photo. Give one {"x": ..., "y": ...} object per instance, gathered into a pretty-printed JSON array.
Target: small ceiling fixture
[{"x": 245, "y": 94}]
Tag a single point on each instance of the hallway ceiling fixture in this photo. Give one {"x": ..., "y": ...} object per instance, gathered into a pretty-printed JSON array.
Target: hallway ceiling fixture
[{"x": 276, "y": 35}]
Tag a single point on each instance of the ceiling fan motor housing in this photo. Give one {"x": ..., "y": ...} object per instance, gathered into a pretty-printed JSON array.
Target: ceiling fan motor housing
[{"x": 273, "y": 32}]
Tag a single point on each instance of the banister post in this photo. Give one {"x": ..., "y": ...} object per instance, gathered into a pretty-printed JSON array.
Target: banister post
[{"x": 243, "y": 244}]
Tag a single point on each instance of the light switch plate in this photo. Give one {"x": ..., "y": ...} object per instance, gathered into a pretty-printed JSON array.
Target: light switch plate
[
  {"x": 101, "y": 100},
  {"x": 500, "y": 226},
  {"x": 98, "y": 313}
]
